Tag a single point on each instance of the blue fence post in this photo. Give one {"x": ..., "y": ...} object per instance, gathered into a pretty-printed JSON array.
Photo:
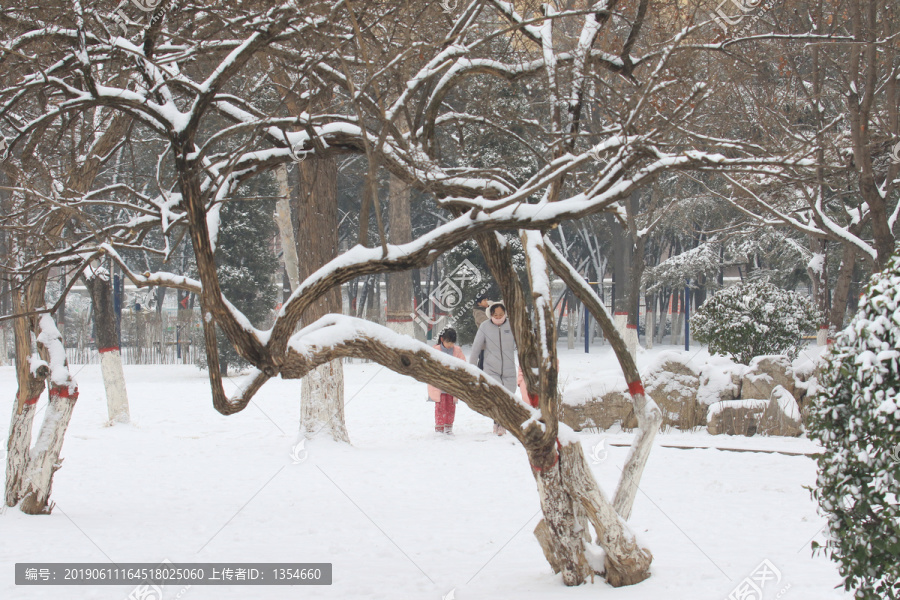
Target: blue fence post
[
  {"x": 587, "y": 329},
  {"x": 687, "y": 310}
]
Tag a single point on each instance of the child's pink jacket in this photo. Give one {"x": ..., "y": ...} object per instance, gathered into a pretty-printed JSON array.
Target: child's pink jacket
[{"x": 434, "y": 394}]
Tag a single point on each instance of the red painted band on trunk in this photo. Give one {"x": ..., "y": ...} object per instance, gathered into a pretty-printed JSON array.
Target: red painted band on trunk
[
  {"x": 110, "y": 349},
  {"x": 635, "y": 388},
  {"x": 630, "y": 326},
  {"x": 618, "y": 313},
  {"x": 558, "y": 452},
  {"x": 33, "y": 400},
  {"x": 63, "y": 392},
  {"x": 533, "y": 400},
  {"x": 823, "y": 326}
]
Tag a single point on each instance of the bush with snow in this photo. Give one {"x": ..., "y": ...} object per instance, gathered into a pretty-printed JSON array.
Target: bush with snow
[
  {"x": 857, "y": 420},
  {"x": 752, "y": 319}
]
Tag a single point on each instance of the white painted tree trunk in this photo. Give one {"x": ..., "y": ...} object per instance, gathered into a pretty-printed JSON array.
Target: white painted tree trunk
[
  {"x": 99, "y": 285},
  {"x": 17, "y": 447},
  {"x": 44, "y": 460},
  {"x": 677, "y": 326},
  {"x": 322, "y": 402},
  {"x": 114, "y": 383},
  {"x": 30, "y": 472},
  {"x": 629, "y": 334}
]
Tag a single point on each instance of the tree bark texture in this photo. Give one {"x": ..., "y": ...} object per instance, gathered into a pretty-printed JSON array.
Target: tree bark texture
[
  {"x": 322, "y": 392},
  {"x": 399, "y": 285},
  {"x": 100, "y": 288}
]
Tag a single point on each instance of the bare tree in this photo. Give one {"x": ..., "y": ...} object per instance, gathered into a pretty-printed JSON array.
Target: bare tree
[{"x": 210, "y": 98}]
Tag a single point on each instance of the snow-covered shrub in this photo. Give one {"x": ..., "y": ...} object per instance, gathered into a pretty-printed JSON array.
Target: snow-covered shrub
[
  {"x": 856, "y": 417},
  {"x": 752, "y": 319}
]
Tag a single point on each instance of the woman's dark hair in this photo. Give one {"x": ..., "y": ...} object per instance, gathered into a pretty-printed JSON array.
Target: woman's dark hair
[
  {"x": 495, "y": 305},
  {"x": 448, "y": 334}
]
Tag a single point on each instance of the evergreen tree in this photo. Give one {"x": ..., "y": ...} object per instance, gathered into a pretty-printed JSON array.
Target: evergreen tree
[
  {"x": 856, "y": 418},
  {"x": 245, "y": 260}
]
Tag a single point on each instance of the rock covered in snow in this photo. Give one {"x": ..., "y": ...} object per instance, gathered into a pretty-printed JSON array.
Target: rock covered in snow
[
  {"x": 720, "y": 379},
  {"x": 602, "y": 412},
  {"x": 673, "y": 382},
  {"x": 764, "y": 374},
  {"x": 782, "y": 415},
  {"x": 735, "y": 417}
]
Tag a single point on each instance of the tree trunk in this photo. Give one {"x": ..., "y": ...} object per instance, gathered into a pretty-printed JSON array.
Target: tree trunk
[
  {"x": 100, "y": 288},
  {"x": 818, "y": 275},
  {"x": 286, "y": 229},
  {"x": 677, "y": 317},
  {"x": 842, "y": 287},
  {"x": 400, "y": 285},
  {"x": 322, "y": 391},
  {"x": 623, "y": 252},
  {"x": 31, "y": 385},
  {"x": 626, "y": 562},
  {"x": 30, "y": 472},
  {"x": 373, "y": 299}
]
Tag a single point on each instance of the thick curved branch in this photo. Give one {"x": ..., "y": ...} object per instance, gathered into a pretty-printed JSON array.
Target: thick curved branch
[{"x": 338, "y": 336}]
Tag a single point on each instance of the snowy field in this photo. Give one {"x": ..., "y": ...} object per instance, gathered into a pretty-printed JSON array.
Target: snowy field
[{"x": 402, "y": 513}]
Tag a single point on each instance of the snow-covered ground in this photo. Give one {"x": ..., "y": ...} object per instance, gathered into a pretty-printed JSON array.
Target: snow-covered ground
[{"x": 402, "y": 513}]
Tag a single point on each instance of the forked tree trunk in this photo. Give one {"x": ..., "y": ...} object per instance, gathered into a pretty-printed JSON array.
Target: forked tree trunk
[
  {"x": 31, "y": 481},
  {"x": 570, "y": 499},
  {"x": 322, "y": 391},
  {"x": 100, "y": 287}
]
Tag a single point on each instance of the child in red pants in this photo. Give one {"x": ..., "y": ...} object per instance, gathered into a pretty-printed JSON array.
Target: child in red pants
[{"x": 445, "y": 404}]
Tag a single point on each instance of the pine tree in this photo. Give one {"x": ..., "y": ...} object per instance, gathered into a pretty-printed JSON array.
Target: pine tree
[{"x": 245, "y": 259}]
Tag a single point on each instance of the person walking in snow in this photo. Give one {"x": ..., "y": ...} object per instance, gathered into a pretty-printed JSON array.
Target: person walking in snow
[
  {"x": 481, "y": 304},
  {"x": 445, "y": 404},
  {"x": 479, "y": 313},
  {"x": 495, "y": 338}
]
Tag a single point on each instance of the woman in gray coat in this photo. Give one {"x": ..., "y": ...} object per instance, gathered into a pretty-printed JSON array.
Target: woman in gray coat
[{"x": 495, "y": 337}]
